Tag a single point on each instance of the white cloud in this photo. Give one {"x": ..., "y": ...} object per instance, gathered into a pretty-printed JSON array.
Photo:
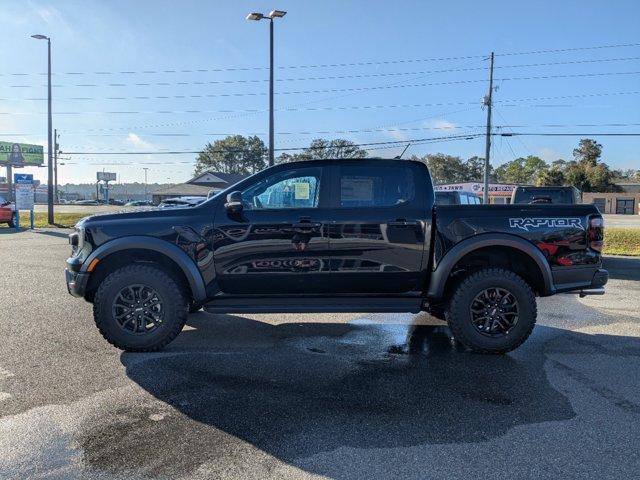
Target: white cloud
[
  {"x": 440, "y": 124},
  {"x": 548, "y": 154},
  {"x": 398, "y": 135},
  {"x": 138, "y": 142}
]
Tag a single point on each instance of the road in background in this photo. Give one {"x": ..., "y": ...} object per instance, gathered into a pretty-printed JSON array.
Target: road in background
[
  {"x": 312, "y": 396},
  {"x": 630, "y": 221},
  {"x": 82, "y": 208}
]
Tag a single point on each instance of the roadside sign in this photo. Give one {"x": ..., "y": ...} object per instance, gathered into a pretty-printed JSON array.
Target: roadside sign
[
  {"x": 24, "y": 191},
  {"x": 107, "y": 176},
  {"x": 21, "y": 154}
]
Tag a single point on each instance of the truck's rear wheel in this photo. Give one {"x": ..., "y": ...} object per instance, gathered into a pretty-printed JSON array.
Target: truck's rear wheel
[
  {"x": 492, "y": 311},
  {"x": 139, "y": 308}
]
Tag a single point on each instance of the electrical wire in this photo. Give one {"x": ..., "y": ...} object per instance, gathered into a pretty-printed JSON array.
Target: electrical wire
[
  {"x": 331, "y": 77},
  {"x": 332, "y": 90},
  {"x": 338, "y": 108},
  {"x": 327, "y": 65}
]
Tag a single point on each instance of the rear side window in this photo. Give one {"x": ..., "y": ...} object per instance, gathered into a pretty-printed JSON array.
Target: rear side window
[{"x": 376, "y": 186}]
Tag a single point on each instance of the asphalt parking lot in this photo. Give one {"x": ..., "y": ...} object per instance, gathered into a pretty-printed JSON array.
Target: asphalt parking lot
[{"x": 312, "y": 396}]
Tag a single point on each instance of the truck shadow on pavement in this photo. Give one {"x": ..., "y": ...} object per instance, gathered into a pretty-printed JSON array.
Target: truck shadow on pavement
[{"x": 301, "y": 390}]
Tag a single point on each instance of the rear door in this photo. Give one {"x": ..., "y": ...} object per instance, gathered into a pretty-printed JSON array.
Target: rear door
[
  {"x": 278, "y": 244},
  {"x": 380, "y": 213}
]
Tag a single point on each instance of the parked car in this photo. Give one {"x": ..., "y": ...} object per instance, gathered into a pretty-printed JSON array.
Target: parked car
[
  {"x": 7, "y": 212},
  {"x": 113, "y": 201},
  {"x": 138, "y": 203},
  {"x": 181, "y": 202},
  {"x": 334, "y": 236},
  {"x": 546, "y": 195},
  {"x": 457, "y": 198},
  {"x": 87, "y": 202}
]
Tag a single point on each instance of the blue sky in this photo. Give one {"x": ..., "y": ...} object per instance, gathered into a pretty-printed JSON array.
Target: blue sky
[{"x": 397, "y": 88}]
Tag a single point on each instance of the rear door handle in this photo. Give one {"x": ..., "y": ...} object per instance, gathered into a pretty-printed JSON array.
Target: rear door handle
[{"x": 403, "y": 223}]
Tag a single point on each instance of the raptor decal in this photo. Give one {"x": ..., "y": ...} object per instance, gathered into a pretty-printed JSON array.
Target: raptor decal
[{"x": 543, "y": 222}]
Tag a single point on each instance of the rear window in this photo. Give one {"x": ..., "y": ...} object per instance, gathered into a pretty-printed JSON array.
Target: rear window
[
  {"x": 445, "y": 198},
  {"x": 376, "y": 186},
  {"x": 551, "y": 195}
]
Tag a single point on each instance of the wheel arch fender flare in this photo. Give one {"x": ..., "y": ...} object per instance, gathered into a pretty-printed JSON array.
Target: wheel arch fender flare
[
  {"x": 440, "y": 275},
  {"x": 141, "y": 242}
]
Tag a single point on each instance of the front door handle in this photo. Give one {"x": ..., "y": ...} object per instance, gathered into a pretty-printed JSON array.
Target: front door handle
[{"x": 400, "y": 222}]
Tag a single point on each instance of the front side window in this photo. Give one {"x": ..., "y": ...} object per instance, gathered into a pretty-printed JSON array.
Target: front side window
[
  {"x": 299, "y": 188},
  {"x": 375, "y": 186}
]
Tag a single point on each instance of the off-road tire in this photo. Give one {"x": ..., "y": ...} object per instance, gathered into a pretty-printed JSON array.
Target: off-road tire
[
  {"x": 458, "y": 313},
  {"x": 173, "y": 300}
]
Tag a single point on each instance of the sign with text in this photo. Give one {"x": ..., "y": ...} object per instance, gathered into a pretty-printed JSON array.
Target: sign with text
[
  {"x": 21, "y": 154},
  {"x": 107, "y": 176},
  {"x": 495, "y": 189},
  {"x": 24, "y": 191}
]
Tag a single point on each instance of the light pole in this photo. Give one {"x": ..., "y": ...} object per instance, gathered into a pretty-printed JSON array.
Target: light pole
[
  {"x": 50, "y": 133},
  {"x": 259, "y": 16},
  {"x": 145, "y": 183}
]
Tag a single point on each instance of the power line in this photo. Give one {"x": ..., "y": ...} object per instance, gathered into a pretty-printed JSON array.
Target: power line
[
  {"x": 333, "y": 90},
  {"x": 342, "y": 131},
  {"x": 468, "y": 136},
  {"x": 336, "y": 108},
  {"x": 176, "y": 152},
  {"x": 331, "y": 77},
  {"x": 551, "y": 134},
  {"x": 325, "y": 65}
]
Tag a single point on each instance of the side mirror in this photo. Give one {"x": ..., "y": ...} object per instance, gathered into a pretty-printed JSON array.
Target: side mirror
[{"x": 234, "y": 202}]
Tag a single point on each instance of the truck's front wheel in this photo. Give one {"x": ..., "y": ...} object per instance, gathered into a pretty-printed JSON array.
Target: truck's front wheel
[
  {"x": 139, "y": 308},
  {"x": 492, "y": 311}
]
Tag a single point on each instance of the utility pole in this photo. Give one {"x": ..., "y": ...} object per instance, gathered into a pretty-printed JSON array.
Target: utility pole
[
  {"x": 145, "y": 183},
  {"x": 488, "y": 102},
  {"x": 50, "y": 132},
  {"x": 55, "y": 165},
  {"x": 271, "y": 153}
]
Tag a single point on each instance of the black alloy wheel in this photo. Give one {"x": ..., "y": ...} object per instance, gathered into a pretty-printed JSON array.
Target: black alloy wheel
[
  {"x": 494, "y": 312},
  {"x": 138, "y": 309}
]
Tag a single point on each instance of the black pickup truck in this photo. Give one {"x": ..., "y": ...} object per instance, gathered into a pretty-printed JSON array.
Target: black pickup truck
[{"x": 334, "y": 236}]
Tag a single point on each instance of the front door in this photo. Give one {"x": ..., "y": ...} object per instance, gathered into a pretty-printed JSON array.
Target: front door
[
  {"x": 278, "y": 243},
  {"x": 378, "y": 230}
]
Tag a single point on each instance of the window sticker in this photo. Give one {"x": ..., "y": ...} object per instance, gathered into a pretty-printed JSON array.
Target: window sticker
[{"x": 301, "y": 191}]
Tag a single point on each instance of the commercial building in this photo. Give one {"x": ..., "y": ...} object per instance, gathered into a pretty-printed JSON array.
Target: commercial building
[
  {"x": 198, "y": 186},
  {"x": 626, "y": 202},
  {"x": 499, "y": 193}
]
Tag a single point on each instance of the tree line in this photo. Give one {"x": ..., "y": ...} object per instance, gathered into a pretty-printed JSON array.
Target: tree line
[{"x": 586, "y": 171}]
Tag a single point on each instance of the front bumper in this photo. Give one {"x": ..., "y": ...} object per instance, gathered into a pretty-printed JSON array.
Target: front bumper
[{"x": 76, "y": 281}]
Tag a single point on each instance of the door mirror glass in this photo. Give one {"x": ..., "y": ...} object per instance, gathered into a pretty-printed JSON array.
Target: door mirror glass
[{"x": 234, "y": 202}]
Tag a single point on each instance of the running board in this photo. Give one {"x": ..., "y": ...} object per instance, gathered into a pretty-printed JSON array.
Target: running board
[{"x": 256, "y": 304}]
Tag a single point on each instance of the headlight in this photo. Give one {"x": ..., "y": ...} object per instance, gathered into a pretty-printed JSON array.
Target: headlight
[{"x": 76, "y": 240}]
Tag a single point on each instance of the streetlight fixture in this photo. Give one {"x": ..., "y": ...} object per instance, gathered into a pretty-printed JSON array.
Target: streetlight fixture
[
  {"x": 50, "y": 133},
  {"x": 259, "y": 16}
]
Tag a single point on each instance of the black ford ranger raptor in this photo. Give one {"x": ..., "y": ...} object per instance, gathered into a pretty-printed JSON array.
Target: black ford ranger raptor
[{"x": 334, "y": 236}]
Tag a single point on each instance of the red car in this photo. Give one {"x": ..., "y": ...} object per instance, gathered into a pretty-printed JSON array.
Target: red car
[{"x": 7, "y": 212}]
